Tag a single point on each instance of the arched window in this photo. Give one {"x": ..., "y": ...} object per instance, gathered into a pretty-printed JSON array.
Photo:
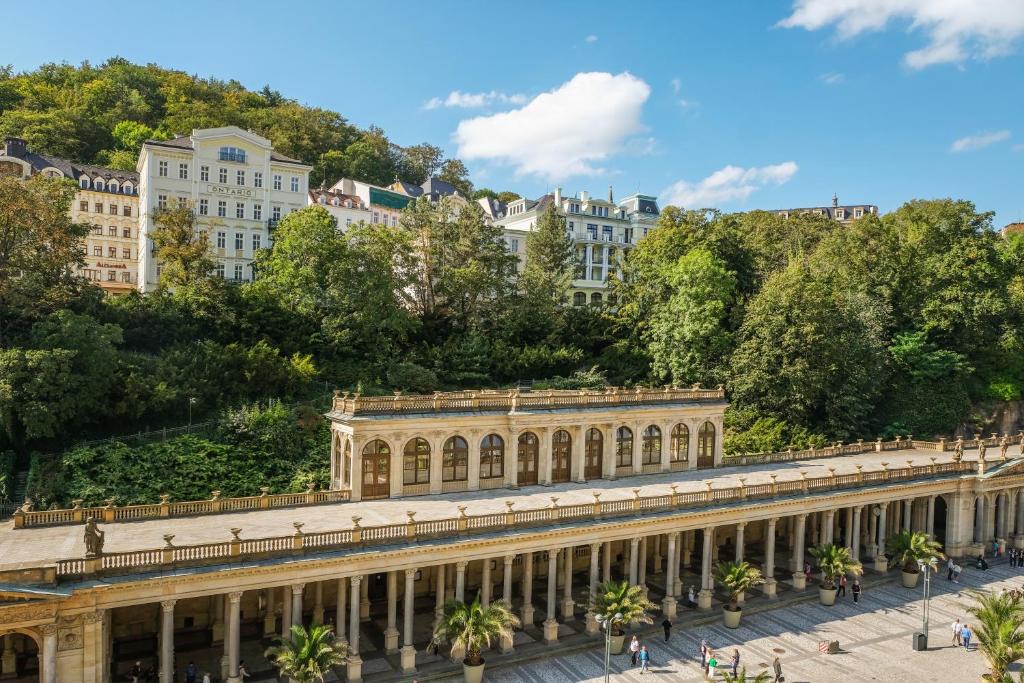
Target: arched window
[
  {"x": 579, "y": 298},
  {"x": 346, "y": 463},
  {"x": 527, "y": 458},
  {"x": 376, "y": 469},
  {"x": 593, "y": 453},
  {"x": 492, "y": 457},
  {"x": 623, "y": 447},
  {"x": 595, "y": 299},
  {"x": 706, "y": 443},
  {"x": 232, "y": 154},
  {"x": 680, "y": 447},
  {"x": 416, "y": 462},
  {"x": 561, "y": 456},
  {"x": 651, "y": 449},
  {"x": 455, "y": 465}
]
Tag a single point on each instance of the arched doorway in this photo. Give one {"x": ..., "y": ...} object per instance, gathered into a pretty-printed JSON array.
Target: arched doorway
[
  {"x": 939, "y": 521},
  {"x": 561, "y": 456},
  {"x": 706, "y": 446},
  {"x": 376, "y": 470},
  {"x": 20, "y": 660},
  {"x": 527, "y": 456},
  {"x": 593, "y": 454}
]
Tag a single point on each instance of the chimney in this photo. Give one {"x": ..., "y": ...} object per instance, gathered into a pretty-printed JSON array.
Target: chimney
[
  {"x": 558, "y": 197},
  {"x": 835, "y": 201},
  {"x": 15, "y": 147},
  {"x": 611, "y": 197},
  {"x": 584, "y": 196}
]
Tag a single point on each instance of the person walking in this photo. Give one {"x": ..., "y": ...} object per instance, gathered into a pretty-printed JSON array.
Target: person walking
[
  {"x": 667, "y": 625},
  {"x": 191, "y": 672},
  {"x": 965, "y": 636},
  {"x": 136, "y": 672},
  {"x": 950, "y": 566},
  {"x": 735, "y": 661},
  {"x": 957, "y": 628},
  {"x": 856, "y": 590},
  {"x": 691, "y": 597},
  {"x": 777, "y": 668},
  {"x": 634, "y": 649},
  {"x": 645, "y": 659},
  {"x": 206, "y": 678},
  {"x": 705, "y": 655},
  {"x": 807, "y": 571},
  {"x": 712, "y": 666},
  {"x": 842, "y": 586}
]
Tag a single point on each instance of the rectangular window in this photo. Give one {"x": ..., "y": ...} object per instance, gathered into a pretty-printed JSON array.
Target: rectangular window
[
  {"x": 858, "y": 212},
  {"x": 238, "y": 271},
  {"x": 275, "y": 214},
  {"x": 239, "y": 241},
  {"x": 126, "y": 232},
  {"x": 239, "y": 209},
  {"x": 240, "y": 178},
  {"x": 112, "y": 252},
  {"x": 257, "y": 179},
  {"x": 348, "y": 222},
  {"x": 295, "y": 183},
  {"x": 606, "y": 233},
  {"x": 222, "y": 239},
  {"x": 277, "y": 182},
  {"x": 111, "y": 276},
  {"x": 183, "y": 171},
  {"x": 182, "y": 202},
  {"x": 592, "y": 231},
  {"x": 204, "y": 207},
  {"x": 376, "y": 217},
  {"x": 126, "y": 211},
  {"x": 162, "y": 169},
  {"x": 112, "y": 231},
  {"x": 126, "y": 277},
  {"x": 97, "y": 251},
  {"x": 98, "y": 207},
  {"x": 83, "y": 206},
  {"x": 222, "y": 175},
  {"x": 222, "y": 208},
  {"x": 515, "y": 246},
  {"x": 98, "y": 230},
  {"x": 220, "y": 270},
  {"x": 257, "y": 212},
  {"x": 161, "y": 201},
  {"x": 256, "y": 241},
  {"x": 126, "y": 252},
  {"x": 840, "y": 214},
  {"x": 204, "y": 173}
]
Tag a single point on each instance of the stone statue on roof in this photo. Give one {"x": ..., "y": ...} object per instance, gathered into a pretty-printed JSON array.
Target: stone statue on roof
[{"x": 93, "y": 538}]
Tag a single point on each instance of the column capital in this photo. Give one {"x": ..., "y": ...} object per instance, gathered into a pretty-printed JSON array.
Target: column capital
[
  {"x": 356, "y": 579},
  {"x": 167, "y": 605},
  {"x": 741, "y": 525},
  {"x": 595, "y": 548},
  {"x": 635, "y": 541},
  {"x": 51, "y": 629},
  {"x": 461, "y": 565},
  {"x": 297, "y": 588},
  {"x": 410, "y": 573},
  {"x": 772, "y": 521},
  {"x": 509, "y": 559},
  {"x": 235, "y": 596}
]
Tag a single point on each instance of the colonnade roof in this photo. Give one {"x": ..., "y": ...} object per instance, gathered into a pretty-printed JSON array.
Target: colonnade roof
[{"x": 34, "y": 547}]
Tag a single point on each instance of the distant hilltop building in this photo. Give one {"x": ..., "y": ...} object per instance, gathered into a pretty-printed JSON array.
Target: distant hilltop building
[
  {"x": 351, "y": 201},
  {"x": 843, "y": 214}
]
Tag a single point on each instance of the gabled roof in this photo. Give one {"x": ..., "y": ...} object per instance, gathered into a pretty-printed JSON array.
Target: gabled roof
[
  {"x": 71, "y": 169},
  {"x": 408, "y": 189},
  {"x": 434, "y": 186},
  {"x": 185, "y": 142}
]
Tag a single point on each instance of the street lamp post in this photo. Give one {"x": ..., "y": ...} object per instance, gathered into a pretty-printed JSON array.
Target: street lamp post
[
  {"x": 607, "y": 622},
  {"x": 191, "y": 400},
  {"x": 926, "y": 568}
]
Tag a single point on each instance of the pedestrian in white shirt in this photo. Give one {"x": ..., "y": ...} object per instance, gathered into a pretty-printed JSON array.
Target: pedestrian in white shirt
[{"x": 957, "y": 628}]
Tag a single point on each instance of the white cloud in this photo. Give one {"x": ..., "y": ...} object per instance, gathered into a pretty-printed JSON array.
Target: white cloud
[
  {"x": 725, "y": 185},
  {"x": 956, "y": 29},
  {"x": 1018, "y": 148},
  {"x": 973, "y": 142},
  {"x": 832, "y": 78},
  {"x": 591, "y": 38},
  {"x": 676, "y": 85},
  {"x": 466, "y": 100},
  {"x": 562, "y": 132}
]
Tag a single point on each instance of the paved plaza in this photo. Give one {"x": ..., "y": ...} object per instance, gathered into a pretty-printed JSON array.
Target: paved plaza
[{"x": 874, "y": 636}]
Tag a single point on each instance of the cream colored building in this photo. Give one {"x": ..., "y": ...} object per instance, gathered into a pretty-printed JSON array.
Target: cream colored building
[
  {"x": 530, "y": 498},
  {"x": 107, "y": 199},
  {"x": 238, "y": 186}
]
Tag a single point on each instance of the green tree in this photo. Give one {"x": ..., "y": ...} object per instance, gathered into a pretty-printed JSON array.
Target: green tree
[
  {"x": 908, "y": 548},
  {"x": 471, "y": 628},
  {"x": 455, "y": 172},
  {"x": 420, "y": 162},
  {"x": 998, "y": 629},
  {"x": 550, "y": 259},
  {"x": 834, "y": 561},
  {"x": 737, "y": 578},
  {"x": 618, "y": 597},
  {"x": 689, "y": 336},
  {"x": 307, "y": 655},
  {"x": 33, "y": 400},
  {"x": 182, "y": 250}
]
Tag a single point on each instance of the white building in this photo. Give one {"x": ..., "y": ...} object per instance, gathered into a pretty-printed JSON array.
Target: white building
[
  {"x": 239, "y": 188},
  {"x": 345, "y": 209},
  {"x": 604, "y": 230}
]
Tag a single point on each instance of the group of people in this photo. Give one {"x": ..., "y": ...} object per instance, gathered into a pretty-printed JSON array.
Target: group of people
[
  {"x": 137, "y": 675},
  {"x": 639, "y": 654},
  {"x": 1016, "y": 557},
  {"x": 962, "y": 635}
]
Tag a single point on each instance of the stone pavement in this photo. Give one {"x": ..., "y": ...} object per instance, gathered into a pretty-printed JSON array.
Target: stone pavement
[
  {"x": 32, "y": 547},
  {"x": 874, "y": 636}
]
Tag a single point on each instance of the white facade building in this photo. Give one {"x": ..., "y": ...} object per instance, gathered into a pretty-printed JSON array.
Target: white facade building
[
  {"x": 604, "y": 230},
  {"x": 238, "y": 186}
]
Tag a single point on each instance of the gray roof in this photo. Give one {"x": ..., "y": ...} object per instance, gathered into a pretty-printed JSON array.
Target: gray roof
[
  {"x": 436, "y": 188},
  {"x": 71, "y": 169}
]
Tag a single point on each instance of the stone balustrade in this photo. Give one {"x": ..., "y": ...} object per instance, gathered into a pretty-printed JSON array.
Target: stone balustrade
[
  {"x": 25, "y": 518},
  {"x": 237, "y": 548},
  {"x": 513, "y": 400}
]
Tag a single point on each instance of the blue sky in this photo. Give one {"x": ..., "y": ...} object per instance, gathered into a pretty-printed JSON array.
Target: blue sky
[{"x": 739, "y": 105}]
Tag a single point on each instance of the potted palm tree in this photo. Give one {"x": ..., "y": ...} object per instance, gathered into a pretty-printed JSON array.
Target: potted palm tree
[
  {"x": 470, "y": 628},
  {"x": 618, "y": 597},
  {"x": 307, "y": 655},
  {"x": 998, "y": 628},
  {"x": 833, "y": 561},
  {"x": 910, "y": 549},
  {"x": 738, "y": 578}
]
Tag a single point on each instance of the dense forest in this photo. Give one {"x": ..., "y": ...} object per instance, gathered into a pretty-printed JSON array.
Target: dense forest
[{"x": 910, "y": 322}]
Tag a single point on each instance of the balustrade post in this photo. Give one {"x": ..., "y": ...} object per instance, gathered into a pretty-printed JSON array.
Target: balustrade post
[
  {"x": 264, "y": 497},
  {"x": 215, "y": 502},
  {"x": 109, "y": 512},
  {"x": 236, "y": 543}
]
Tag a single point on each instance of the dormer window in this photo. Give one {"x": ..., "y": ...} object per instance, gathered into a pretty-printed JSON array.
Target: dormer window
[
  {"x": 113, "y": 186},
  {"x": 335, "y": 202},
  {"x": 84, "y": 183},
  {"x": 232, "y": 154},
  {"x": 840, "y": 214},
  {"x": 348, "y": 203},
  {"x": 858, "y": 212},
  {"x": 323, "y": 199},
  {"x": 97, "y": 185},
  {"x": 127, "y": 188}
]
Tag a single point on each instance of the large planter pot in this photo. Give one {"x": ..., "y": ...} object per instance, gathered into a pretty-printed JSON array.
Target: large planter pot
[
  {"x": 827, "y": 596},
  {"x": 473, "y": 674},
  {"x": 732, "y": 617},
  {"x": 617, "y": 642},
  {"x": 910, "y": 579}
]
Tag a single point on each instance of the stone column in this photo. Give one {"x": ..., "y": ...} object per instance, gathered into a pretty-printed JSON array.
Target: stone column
[
  {"x": 166, "y": 646},
  {"x": 544, "y": 459},
  {"x": 224, "y": 667},
  {"x": 438, "y": 594},
  {"x": 511, "y": 459},
  {"x": 551, "y": 624},
  {"x": 318, "y": 602},
  {"x": 340, "y": 617},
  {"x": 830, "y": 520},
  {"x": 907, "y": 506},
  {"x": 929, "y": 522},
  {"x": 568, "y": 605},
  {"x": 527, "y": 611},
  {"x": 706, "y": 582},
  {"x": 364, "y": 601},
  {"x": 485, "y": 583},
  {"x": 473, "y": 470},
  {"x": 286, "y": 611},
  {"x": 739, "y": 540},
  {"x": 851, "y": 530},
  {"x": 769, "y": 558},
  {"x": 297, "y": 603},
  {"x": 506, "y": 596},
  {"x": 684, "y": 544},
  {"x": 656, "y": 559},
  {"x": 799, "y": 580},
  {"x": 855, "y": 536},
  {"x": 881, "y": 564},
  {"x": 217, "y": 627},
  {"x": 634, "y": 545},
  {"x": 234, "y": 635},
  {"x": 606, "y": 562},
  {"x": 668, "y": 604},
  {"x": 642, "y": 574},
  {"x": 354, "y": 669},
  {"x": 460, "y": 581},
  {"x": 269, "y": 616},
  {"x": 49, "y": 653},
  {"x": 391, "y": 632},
  {"x": 592, "y": 625},
  {"x": 408, "y": 612},
  {"x": 8, "y": 663},
  {"x": 1019, "y": 510}
]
